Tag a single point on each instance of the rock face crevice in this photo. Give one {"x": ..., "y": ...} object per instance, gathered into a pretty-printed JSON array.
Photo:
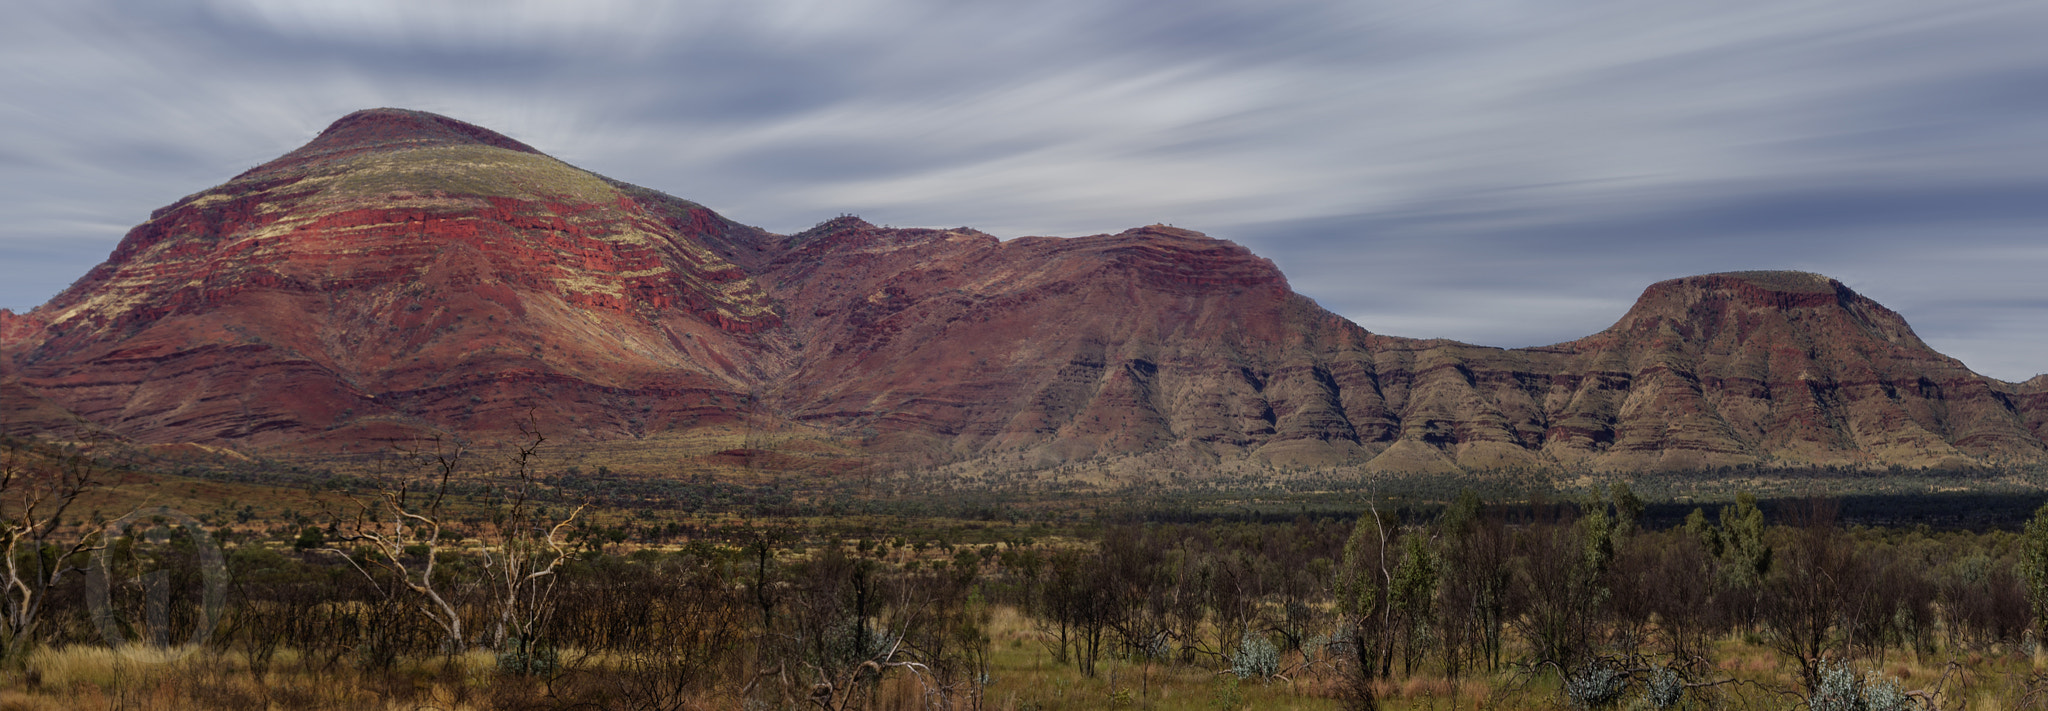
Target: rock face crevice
[{"x": 405, "y": 274}]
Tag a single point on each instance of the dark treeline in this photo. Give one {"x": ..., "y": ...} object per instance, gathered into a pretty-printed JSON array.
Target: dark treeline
[
  {"x": 1967, "y": 498},
  {"x": 1941, "y": 511}
]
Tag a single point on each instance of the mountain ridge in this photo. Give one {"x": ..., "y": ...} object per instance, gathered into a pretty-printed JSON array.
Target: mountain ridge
[{"x": 405, "y": 274}]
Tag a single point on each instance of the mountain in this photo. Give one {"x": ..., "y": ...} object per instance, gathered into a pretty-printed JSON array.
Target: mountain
[
  {"x": 401, "y": 274},
  {"x": 405, "y": 274}
]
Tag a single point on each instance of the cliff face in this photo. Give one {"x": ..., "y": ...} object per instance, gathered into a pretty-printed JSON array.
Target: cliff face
[{"x": 405, "y": 274}]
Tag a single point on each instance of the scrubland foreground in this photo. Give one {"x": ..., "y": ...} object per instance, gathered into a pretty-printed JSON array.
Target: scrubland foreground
[{"x": 402, "y": 594}]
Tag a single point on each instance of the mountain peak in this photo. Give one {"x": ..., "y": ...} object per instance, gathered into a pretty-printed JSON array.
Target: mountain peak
[
  {"x": 374, "y": 128},
  {"x": 385, "y": 129}
]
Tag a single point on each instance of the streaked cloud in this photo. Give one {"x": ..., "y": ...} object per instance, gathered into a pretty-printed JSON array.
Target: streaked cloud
[{"x": 1501, "y": 172}]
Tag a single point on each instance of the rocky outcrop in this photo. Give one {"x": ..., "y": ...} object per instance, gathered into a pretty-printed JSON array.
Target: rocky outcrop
[{"x": 406, "y": 274}]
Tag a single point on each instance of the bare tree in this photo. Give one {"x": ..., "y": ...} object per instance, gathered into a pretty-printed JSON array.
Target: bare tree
[
  {"x": 520, "y": 564},
  {"x": 401, "y": 525},
  {"x": 1813, "y": 600},
  {"x": 1558, "y": 590},
  {"x": 37, "y": 490}
]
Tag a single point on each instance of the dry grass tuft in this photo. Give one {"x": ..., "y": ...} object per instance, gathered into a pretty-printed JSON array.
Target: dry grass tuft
[
  {"x": 17, "y": 701},
  {"x": 104, "y": 667}
]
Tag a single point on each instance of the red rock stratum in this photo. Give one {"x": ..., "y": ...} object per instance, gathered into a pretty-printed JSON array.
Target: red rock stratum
[{"x": 406, "y": 274}]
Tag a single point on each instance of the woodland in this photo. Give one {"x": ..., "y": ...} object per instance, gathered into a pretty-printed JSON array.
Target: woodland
[{"x": 457, "y": 579}]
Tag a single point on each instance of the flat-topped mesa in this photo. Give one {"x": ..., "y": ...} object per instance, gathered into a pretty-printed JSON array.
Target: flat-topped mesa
[
  {"x": 1709, "y": 306},
  {"x": 1747, "y": 368},
  {"x": 1761, "y": 289}
]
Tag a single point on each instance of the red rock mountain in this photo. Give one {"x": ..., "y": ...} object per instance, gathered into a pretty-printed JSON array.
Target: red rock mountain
[{"x": 406, "y": 274}]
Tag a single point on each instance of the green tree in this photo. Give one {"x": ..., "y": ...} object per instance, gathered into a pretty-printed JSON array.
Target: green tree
[
  {"x": 1627, "y": 509},
  {"x": 1697, "y": 525},
  {"x": 1413, "y": 592},
  {"x": 1363, "y": 597},
  {"x": 2033, "y": 564},
  {"x": 310, "y": 538},
  {"x": 1746, "y": 553}
]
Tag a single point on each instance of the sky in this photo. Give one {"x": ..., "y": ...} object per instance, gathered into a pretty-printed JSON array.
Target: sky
[{"x": 1498, "y": 172}]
